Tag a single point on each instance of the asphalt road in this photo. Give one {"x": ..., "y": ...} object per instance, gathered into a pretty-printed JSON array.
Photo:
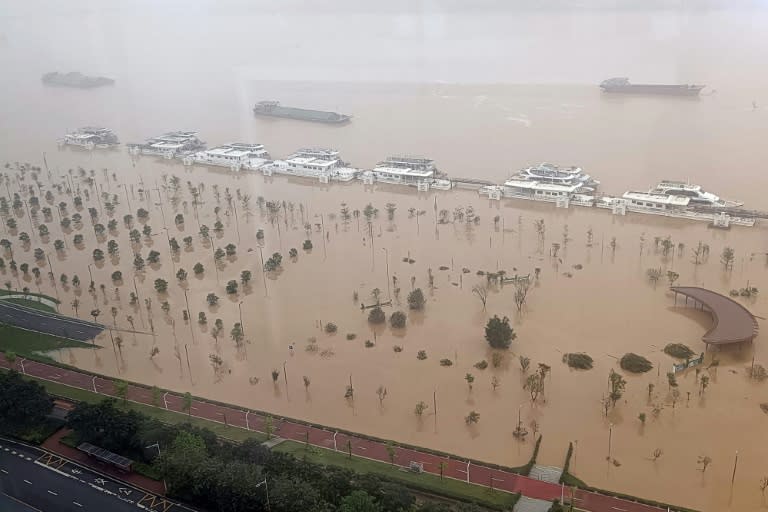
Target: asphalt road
[
  {"x": 48, "y": 323},
  {"x": 47, "y": 482}
]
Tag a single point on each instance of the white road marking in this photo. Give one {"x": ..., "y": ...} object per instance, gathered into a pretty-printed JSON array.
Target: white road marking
[
  {"x": 619, "y": 509},
  {"x": 51, "y": 492},
  {"x": 27, "y": 482},
  {"x": 13, "y": 452},
  {"x": 4, "y": 471},
  {"x": 76, "y": 503},
  {"x": 28, "y": 458}
]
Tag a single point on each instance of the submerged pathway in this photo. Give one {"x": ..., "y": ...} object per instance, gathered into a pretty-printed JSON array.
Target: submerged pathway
[{"x": 326, "y": 438}]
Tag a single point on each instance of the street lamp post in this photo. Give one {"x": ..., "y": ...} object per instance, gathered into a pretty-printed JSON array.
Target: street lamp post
[
  {"x": 125, "y": 188},
  {"x": 55, "y": 288},
  {"x": 191, "y": 330},
  {"x": 157, "y": 445},
  {"x": 136, "y": 290},
  {"x": 263, "y": 272},
  {"x": 264, "y": 483},
  {"x": 240, "y": 309},
  {"x": 387, "y": 264},
  {"x": 610, "y": 435}
]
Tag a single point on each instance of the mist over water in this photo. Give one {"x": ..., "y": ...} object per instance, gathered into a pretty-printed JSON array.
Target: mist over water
[{"x": 483, "y": 88}]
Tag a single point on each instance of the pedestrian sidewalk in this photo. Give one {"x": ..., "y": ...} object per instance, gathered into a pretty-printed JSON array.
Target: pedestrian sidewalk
[{"x": 54, "y": 444}]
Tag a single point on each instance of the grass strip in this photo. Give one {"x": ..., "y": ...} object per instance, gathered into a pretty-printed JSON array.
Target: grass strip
[
  {"x": 28, "y": 343},
  {"x": 170, "y": 417},
  {"x": 425, "y": 482}
]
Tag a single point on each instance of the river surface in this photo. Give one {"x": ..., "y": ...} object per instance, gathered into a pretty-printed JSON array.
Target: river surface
[{"x": 463, "y": 88}]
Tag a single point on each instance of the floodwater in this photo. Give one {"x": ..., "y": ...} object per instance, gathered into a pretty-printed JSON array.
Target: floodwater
[{"x": 491, "y": 123}]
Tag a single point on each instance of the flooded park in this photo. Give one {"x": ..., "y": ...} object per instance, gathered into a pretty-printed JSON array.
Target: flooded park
[
  {"x": 364, "y": 307},
  {"x": 306, "y": 334}
]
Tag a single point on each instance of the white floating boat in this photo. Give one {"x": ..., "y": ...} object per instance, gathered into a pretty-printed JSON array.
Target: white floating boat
[
  {"x": 697, "y": 196},
  {"x": 412, "y": 171},
  {"x": 235, "y": 156},
  {"x": 554, "y": 175},
  {"x": 169, "y": 145},
  {"x": 319, "y": 163},
  {"x": 90, "y": 137}
]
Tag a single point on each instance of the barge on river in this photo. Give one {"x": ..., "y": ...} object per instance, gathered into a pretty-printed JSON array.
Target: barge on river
[
  {"x": 90, "y": 137},
  {"x": 274, "y": 109},
  {"x": 624, "y": 86}
]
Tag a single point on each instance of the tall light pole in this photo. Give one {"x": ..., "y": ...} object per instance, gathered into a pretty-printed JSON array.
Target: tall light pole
[
  {"x": 322, "y": 223},
  {"x": 264, "y": 483},
  {"x": 191, "y": 330},
  {"x": 125, "y": 188},
  {"x": 215, "y": 264},
  {"x": 157, "y": 445},
  {"x": 240, "y": 309},
  {"x": 136, "y": 290},
  {"x": 610, "y": 435},
  {"x": 387, "y": 263},
  {"x": 263, "y": 272},
  {"x": 237, "y": 222},
  {"x": 55, "y": 288}
]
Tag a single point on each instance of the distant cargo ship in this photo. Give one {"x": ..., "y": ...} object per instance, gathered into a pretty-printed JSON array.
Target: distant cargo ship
[
  {"x": 273, "y": 109},
  {"x": 75, "y": 79},
  {"x": 623, "y": 86}
]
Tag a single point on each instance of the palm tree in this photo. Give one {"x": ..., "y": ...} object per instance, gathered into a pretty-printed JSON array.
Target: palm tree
[
  {"x": 113, "y": 311},
  {"x": 75, "y": 304},
  {"x": 472, "y": 417},
  {"x": 95, "y": 314}
]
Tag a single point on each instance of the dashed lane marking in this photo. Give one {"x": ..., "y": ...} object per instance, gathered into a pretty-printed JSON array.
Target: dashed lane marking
[
  {"x": 27, "y": 482},
  {"x": 51, "y": 492},
  {"x": 4, "y": 471},
  {"x": 76, "y": 503}
]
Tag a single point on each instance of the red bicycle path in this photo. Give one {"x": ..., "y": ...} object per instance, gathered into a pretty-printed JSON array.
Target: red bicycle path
[{"x": 326, "y": 438}]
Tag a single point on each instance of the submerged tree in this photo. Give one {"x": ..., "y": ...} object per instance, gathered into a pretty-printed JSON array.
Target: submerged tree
[
  {"x": 498, "y": 332},
  {"x": 482, "y": 293},
  {"x": 727, "y": 258},
  {"x": 472, "y": 418},
  {"x": 416, "y": 300},
  {"x": 618, "y": 384}
]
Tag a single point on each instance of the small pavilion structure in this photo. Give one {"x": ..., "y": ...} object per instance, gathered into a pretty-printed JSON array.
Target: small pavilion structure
[{"x": 732, "y": 322}]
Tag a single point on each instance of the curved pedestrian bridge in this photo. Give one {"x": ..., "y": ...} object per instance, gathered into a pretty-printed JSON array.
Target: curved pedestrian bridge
[{"x": 733, "y": 323}]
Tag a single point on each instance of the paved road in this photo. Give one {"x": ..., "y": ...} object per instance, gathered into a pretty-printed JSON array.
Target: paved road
[
  {"x": 48, "y": 323},
  {"x": 47, "y": 482},
  {"x": 327, "y": 438}
]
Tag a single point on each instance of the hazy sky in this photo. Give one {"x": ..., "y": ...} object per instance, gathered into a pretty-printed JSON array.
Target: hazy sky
[{"x": 572, "y": 41}]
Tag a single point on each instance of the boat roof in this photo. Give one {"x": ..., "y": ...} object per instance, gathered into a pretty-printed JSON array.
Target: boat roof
[
  {"x": 93, "y": 129},
  {"x": 300, "y": 160},
  {"x": 180, "y": 136},
  {"x": 678, "y": 184},
  {"x": 657, "y": 198},
  {"x": 405, "y": 171},
  {"x": 537, "y": 185},
  {"x": 325, "y": 153},
  {"x": 235, "y": 149}
]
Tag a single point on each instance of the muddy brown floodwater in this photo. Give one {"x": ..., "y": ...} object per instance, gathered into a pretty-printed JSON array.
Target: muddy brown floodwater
[{"x": 588, "y": 299}]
